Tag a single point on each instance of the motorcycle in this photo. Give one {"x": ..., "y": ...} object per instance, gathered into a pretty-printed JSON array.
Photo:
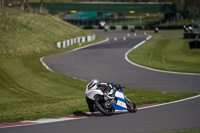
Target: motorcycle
[{"x": 108, "y": 105}]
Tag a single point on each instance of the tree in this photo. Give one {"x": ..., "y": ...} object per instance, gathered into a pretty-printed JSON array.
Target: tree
[
  {"x": 198, "y": 7},
  {"x": 2, "y": 2},
  {"x": 22, "y": 4},
  {"x": 41, "y": 5},
  {"x": 26, "y": 5}
]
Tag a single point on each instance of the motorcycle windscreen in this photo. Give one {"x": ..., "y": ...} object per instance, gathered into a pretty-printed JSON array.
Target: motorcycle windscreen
[{"x": 121, "y": 104}]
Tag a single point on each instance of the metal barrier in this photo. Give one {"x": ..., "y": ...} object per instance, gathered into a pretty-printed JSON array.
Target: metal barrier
[{"x": 77, "y": 40}]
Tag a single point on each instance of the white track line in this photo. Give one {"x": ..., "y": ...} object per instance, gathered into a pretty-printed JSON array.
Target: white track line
[
  {"x": 48, "y": 120},
  {"x": 41, "y": 60},
  {"x": 89, "y": 45},
  {"x": 40, "y": 121},
  {"x": 170, "y": 102},
  {"x": 152, "y": 69}
]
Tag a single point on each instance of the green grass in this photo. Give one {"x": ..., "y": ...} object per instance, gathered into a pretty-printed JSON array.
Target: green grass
[
  {"x": 141, "y": 97},
  {"x": 167, "y": 50},
  {"x": 31, "y": 34},
  {"x": 27, "y": 90}
]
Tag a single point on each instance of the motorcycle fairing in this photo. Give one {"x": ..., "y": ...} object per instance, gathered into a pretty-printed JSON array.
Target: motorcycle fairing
[
  {"x": 91, "y": 93},
  {"x": 121, "y": 104}
]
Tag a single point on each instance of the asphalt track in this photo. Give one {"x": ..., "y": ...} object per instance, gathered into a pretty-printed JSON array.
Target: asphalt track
[{"x": 106, "y": 62}]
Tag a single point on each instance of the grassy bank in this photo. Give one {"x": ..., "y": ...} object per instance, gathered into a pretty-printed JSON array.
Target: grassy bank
[
  {"x": 27, "y": 90},
  {"x": 31, "y": 34},
  {"x": 168, "y": 51}
]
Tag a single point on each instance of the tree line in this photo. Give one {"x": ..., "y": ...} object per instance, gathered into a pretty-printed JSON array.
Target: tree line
[
  {"x": 190, "y": 7},
  {"x": 23, "y": 4}
]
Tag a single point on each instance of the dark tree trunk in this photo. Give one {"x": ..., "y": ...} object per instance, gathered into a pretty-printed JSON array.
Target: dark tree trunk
[{"x": 26, "y": 5}]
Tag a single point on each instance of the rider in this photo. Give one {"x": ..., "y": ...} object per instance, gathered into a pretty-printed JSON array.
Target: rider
[{"x": 106, "y": 88}]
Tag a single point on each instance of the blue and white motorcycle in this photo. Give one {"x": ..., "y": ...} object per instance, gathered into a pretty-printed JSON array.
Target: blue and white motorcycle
[{"x": 108, "y": 105}]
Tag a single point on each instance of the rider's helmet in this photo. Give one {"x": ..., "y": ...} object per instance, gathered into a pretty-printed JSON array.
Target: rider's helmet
[
  {"x": 93, "y": 84},
  {"x": 94, "y": 81}
]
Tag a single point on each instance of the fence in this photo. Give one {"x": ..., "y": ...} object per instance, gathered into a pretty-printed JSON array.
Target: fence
[
  {"x": 15, "y": 10},
  {"x": 4, "y": 11}
]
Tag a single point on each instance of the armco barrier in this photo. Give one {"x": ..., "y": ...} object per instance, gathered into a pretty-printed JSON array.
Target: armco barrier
[{"x": 76, "y": 40}]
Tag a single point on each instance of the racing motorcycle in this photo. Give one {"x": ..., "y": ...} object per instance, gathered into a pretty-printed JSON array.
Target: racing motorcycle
[{"x": 110, "y": 104}]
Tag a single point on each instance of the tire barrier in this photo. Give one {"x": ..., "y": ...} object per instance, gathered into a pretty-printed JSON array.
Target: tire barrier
[
  {"x": 76, "y": 40},
  {"x": 191, "y": 35},
  {"x": 194, "y": 44},
  {"x": 112, "y": 27}
]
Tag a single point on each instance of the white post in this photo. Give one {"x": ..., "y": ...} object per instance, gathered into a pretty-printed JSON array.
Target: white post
[
  {"x": 64, "y": 44},
  {"x": 72, "y": 42},
  {"x": 58, "y": 44},
  {"x": 68, "y": 43},
  {"x": 83, "y": 39},
  {"x": 88, "y": 38},
  {"x": 78, "y": 40}
]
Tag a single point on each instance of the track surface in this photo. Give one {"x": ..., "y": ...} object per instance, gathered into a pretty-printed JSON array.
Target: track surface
[{"x": 106, "y": 62}]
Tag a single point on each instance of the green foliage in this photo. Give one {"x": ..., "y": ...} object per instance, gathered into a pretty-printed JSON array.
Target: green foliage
[
  {"x": 175, "y": 23},
  {"x": 190, "y": 9}
]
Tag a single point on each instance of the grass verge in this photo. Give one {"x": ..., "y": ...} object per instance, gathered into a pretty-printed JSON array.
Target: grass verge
[
  {"x": 27, "y": 90},
  {"x": 168, "y": 51}
]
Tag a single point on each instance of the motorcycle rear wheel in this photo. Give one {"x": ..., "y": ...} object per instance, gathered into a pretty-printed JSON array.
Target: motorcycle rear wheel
[
  {"x": 131, "y": 107},
  {"x": 99, "y": 101}
]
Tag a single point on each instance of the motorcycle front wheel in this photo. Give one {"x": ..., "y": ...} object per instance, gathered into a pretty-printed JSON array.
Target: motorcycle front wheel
[
  {"x": 100, "y": 105},
  {"x": 131, "y": 107}
]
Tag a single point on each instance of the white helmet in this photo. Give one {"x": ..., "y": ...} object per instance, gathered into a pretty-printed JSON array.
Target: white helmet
[
  {"x": 94, "y": 81},
  {"x": 93, "y": 84}
]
